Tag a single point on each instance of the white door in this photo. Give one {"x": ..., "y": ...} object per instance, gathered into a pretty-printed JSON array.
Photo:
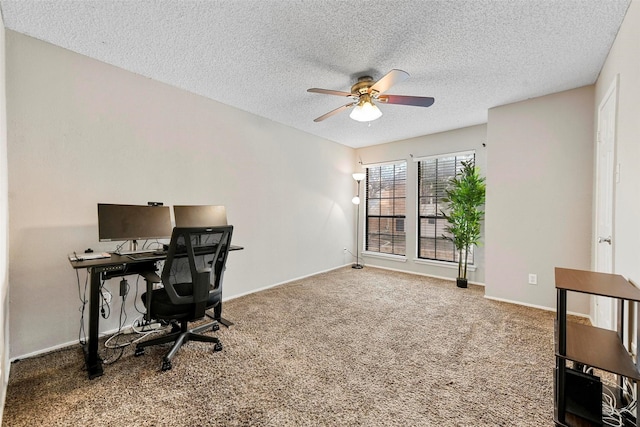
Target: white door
[{"x": 604, "y": 310}]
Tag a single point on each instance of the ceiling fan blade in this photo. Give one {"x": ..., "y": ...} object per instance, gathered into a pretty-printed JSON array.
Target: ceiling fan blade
[
  {"x": 418, "y": 101},
  {"x": 336, "y": 111},
  {"x": 330, "y": 92},
  {"x": 392, "y": 77}
]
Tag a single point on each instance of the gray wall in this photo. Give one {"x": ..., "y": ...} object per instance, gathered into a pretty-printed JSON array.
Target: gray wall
[
  {"x": 539, "y": 167},
  {"x": 82, "y": 132},
  {"x": 470, "y": 138},
  {"x": 4, "y": 228},
  {"x": 624, "y": 62},
  {"x": 539, "y": 195}
]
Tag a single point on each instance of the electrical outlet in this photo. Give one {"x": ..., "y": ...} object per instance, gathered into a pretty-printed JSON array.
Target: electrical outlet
[
  {"x": 533, "y": 279},
  {"x": 344, "y": 250}
]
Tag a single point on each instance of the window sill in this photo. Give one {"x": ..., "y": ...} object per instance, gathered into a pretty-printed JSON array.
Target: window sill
[
  {"x": 445, "y": 264},
  {"x": 390, "y": 257}
]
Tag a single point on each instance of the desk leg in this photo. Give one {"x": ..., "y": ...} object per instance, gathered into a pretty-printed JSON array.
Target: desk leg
[
  {"x": 147, "y": 315},
  {"x": 92, "y": 360}
]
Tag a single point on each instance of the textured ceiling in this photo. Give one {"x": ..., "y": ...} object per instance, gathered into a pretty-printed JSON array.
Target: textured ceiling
[{"x": 262, "y": 55}]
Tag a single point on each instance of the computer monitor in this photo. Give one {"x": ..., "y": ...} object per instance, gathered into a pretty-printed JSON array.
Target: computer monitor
[
  {"x": 200, "y": 216},
  {"x": 133, "y": 222}
]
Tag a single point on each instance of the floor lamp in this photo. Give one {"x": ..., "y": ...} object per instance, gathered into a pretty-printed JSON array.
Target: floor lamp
[{"x": 358, "y": 176}]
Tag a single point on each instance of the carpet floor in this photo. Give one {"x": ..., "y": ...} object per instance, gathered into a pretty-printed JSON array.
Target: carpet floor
[{"x": 344, "y": 348}]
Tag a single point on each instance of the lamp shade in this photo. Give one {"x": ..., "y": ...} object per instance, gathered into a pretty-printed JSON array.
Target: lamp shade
[
  {"x": 355, "y": 200},
  {"x": 359, "y": 176}
]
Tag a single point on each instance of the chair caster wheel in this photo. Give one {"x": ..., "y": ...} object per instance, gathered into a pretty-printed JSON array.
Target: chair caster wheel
[
  {"x": 217, "y": 347},
  {"x": 166, "y": 365},
  {"x": 139, "y": 351},
  {"x": 215, "y": 327}
]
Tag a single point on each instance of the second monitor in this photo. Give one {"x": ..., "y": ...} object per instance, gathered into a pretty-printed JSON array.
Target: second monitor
[{"x": 200, "y": 216}]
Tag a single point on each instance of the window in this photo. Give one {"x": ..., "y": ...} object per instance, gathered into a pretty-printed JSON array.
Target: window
[
  {"x": 434, "y": 174},
  {"x": 386, "y": 194}
]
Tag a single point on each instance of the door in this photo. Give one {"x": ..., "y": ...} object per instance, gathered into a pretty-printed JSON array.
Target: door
[{"x": 604, "y": 309}]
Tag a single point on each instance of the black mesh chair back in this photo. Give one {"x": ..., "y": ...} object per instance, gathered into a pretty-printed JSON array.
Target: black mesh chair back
[
  {"x": 191, "y": 284},
  {"x": 195, "y": 265}
]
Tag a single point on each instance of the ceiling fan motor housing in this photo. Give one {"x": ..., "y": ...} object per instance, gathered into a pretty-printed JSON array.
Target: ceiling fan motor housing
[{"x": 363, "y": 85}]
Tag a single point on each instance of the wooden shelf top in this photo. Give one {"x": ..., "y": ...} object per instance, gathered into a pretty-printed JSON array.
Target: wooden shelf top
[
  {"x": 600, "y": 348},
  {"x": 591, "y": 282}
]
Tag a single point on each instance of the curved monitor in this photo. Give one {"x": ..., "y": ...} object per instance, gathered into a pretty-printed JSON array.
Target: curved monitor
[
  {"x": 200, "y": 216},
  {"x": 133, "y": 222}
]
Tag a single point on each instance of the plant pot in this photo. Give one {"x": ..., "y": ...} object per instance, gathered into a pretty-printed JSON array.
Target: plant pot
[{"x": 461, "y": 283}]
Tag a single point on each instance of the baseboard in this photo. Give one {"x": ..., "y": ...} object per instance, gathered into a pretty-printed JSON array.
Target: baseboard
[
  {"x": 539, "y": 307},
  {"x": 107, "y": 333},
  {"x": 126, "y": 329},
  {"x": 113, "y": 331},
  {"x": 416, "y": 273},
  {"x": 253, "y": 291},
  {"x": 45, "y": 350},
  {"x": 3, "y": 393}
]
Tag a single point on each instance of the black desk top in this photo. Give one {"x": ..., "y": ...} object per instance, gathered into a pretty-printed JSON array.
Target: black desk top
[{"x": 116, "y": 259}]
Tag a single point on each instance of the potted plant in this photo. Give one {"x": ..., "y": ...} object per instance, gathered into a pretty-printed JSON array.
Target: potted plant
[{"x": 464, "y": 201}]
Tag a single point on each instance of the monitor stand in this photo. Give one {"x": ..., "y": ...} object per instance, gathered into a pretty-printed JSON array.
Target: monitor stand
[{"x": 133, "y": 248}]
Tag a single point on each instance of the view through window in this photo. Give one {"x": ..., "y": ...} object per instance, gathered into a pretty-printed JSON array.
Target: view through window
[
  {"x": 385, "y": 216},
  {"x": 434, "y": 174}
]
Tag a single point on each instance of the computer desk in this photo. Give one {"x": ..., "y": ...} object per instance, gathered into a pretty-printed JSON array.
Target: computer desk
[{"x": 114, "y": 266}]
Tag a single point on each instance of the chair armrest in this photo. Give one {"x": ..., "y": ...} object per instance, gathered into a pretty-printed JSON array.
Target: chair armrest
[{"x": 151, "y": 276}]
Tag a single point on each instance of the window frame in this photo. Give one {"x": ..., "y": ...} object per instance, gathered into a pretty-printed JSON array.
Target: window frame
[
  {"x": 395, "y": 219},
  {"x": 438, "y": 216}
]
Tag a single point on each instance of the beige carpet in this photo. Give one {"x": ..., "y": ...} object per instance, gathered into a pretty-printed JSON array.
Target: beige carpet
[{"x": 346, "y": 348}]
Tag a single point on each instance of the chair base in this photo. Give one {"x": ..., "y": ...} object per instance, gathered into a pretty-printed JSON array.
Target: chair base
[
  {"x": 179, "y": 337},
  {"x": 216, "y": 314}
]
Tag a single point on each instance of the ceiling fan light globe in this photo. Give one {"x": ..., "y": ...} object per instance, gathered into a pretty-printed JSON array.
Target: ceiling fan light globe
[{"x": 365, "y": 112}]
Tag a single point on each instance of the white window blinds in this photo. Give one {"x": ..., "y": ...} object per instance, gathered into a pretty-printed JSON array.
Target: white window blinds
[
  {"x": 434, "y": 174},
  {"x": 385, "y": 214}
]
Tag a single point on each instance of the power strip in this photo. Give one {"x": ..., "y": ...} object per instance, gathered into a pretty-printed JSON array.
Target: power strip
[{"x": 144, "y": 328}]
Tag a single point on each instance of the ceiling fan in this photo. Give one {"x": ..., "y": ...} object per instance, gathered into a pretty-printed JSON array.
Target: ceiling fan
[{"x": 366, "y": 90}]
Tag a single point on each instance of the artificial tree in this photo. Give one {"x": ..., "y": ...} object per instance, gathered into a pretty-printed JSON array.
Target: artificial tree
[{"x": 465, "y": 196}]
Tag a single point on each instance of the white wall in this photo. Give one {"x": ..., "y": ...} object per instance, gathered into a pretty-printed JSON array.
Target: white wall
[
  {"x": 624, "y": 61},
  {"x": 82, "y": 132},
  {"x": 470, "y": 138},
  {"x": 4, "y": 225},
  {"x": 539, "y": 195}
]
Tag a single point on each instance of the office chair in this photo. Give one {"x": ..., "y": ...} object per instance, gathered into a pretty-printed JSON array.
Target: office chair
[{"x": 191, "y": 284}]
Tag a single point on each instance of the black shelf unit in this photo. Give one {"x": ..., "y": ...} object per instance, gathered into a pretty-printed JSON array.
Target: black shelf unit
[{"x": 588, "y": 345}]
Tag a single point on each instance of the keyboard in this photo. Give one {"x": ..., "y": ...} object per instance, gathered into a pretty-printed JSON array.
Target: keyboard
[
  {"x": 145, "y": 255},
  {"x": 88, "y": 256}
]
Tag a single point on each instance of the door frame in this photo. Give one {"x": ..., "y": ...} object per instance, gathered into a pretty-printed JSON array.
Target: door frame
[{"x": 611, "y": 307}]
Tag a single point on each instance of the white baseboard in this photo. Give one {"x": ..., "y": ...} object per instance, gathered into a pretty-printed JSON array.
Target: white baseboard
[
  {"x": 128, "y": 326},
  {"x": 540, "y": 307},
  {"x": 43, "y": 351},
  {"x": 107, "y": 333},
  {"x": 253, "y": 291},
  {"x": 416, "y": 273}
]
